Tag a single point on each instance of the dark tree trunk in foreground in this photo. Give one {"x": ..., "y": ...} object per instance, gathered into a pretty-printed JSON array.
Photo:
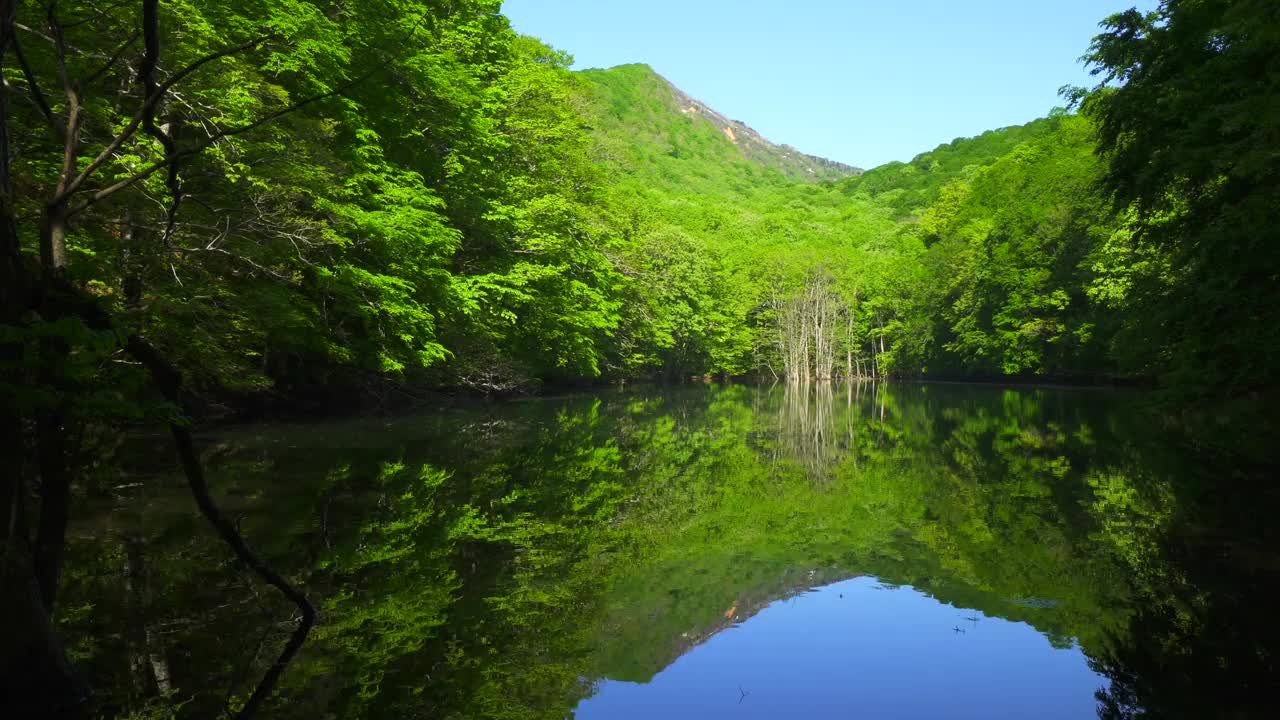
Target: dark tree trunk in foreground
[{"x": 36, "y": 680}]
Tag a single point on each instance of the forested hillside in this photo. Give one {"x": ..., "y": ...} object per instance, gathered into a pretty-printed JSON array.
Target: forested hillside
[
  {"x": 262, "y": 209},
  {"x": 714, "y": 242},
  {"x": 911, "y": 187}
]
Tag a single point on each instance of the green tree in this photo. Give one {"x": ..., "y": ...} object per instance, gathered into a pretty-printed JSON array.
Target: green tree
[
  {"x": 1013, "y": 252},
  {"x": 1186, "y": 118}
]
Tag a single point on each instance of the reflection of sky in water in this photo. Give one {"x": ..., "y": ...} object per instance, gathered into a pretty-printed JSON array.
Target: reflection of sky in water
[{"x": 873, "y": 653}]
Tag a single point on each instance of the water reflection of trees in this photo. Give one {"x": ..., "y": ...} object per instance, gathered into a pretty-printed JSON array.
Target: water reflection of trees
[
  {"x": 1202, "y": 640},
  {"x": 556, "y": 542},
  {"x": 1162, "y": 576},
  {"x": 818, "y": 426},
  {"x": 807, "y": 430}
]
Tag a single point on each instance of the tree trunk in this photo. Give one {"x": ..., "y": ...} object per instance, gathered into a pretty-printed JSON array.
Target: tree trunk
[
  {"x": 13, "y": 303},
  {"x": 848, "y": 345},
  {"x": 36, "y": 680},
  {"x": 55, "y": 504},
  {"x": 53, "y": 238},
  {"x": 12, "y": 486},
  {"x": 148, "y": 664}
]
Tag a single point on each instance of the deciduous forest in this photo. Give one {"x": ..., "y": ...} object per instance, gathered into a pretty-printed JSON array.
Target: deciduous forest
[{"x": 268, "y": 208}]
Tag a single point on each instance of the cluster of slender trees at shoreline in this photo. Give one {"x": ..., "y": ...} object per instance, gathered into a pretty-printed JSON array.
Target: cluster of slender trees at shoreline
[
  {"x": 816, "y": 331},
  {"x": 227, "y": 205}
]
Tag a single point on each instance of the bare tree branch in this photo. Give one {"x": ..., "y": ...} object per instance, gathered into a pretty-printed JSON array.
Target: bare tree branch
[
  {"x": 210, "y": 141},
  {"x": 242, "y": 259},
  {"x": 37, "y": 95},
  {"x": 72, "y": 128},
  {"x": 96, "y": 13},
  {"x": 93, "y": 77},
  {"x": 147, "y": 76},
  {"x": 148, "y": 107},
  {"x": 151, "y": 54},
  {"x": 51, "y": 40}
]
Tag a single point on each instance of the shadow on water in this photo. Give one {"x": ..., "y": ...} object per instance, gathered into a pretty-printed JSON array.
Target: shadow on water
[{"x": 504, "y": 560}]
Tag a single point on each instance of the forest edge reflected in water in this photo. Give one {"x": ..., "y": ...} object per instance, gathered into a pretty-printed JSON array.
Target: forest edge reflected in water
[{"x": 504, "y": 568}]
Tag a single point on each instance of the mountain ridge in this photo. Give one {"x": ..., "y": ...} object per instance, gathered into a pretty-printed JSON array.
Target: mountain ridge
[
  {"x": 754, "y": 146},
  {"x": 752, "y": 142}
]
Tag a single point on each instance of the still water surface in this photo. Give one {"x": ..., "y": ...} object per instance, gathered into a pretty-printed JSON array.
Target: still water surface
[
  {"x": 864, "y": 649},
  {"x": 906, "y": 551}
]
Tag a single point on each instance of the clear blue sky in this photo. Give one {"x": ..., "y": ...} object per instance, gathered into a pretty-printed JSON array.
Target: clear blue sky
[{"x": 859, "y": 81}]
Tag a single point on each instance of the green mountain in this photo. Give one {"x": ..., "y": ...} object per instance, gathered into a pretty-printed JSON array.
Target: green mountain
[
  {"x": 713, "y": 231},
  {"x": 912, "y": 186},
  {"x": 649, "y": 105}
]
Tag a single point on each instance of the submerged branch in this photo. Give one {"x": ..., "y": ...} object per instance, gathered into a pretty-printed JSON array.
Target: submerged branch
[
  {"x": 169, "y": 381},
  {"x": 66, "y": 299}
]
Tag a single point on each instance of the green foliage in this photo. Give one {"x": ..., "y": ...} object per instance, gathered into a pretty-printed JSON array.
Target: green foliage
[
  {"x": 1015, "y": 249},
  {"x": 1188, "y": 132},
  {"x": 410, "y": 193},
  {"x": 911, "y": 187},
  {"x": 346, "y": 238}
]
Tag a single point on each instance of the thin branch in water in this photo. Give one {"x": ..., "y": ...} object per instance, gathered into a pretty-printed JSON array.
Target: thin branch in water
[{"x": 169, "y": 382}]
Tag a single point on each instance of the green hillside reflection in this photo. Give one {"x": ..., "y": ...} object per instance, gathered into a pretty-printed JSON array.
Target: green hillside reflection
[{"x": 500, "y": 560}]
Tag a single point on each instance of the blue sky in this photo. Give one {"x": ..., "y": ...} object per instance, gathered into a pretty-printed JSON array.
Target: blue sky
[{"x": 853, "y": 80}]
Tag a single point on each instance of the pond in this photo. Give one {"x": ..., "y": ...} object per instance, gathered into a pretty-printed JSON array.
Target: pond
[{"x": 702, "y": 551}]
